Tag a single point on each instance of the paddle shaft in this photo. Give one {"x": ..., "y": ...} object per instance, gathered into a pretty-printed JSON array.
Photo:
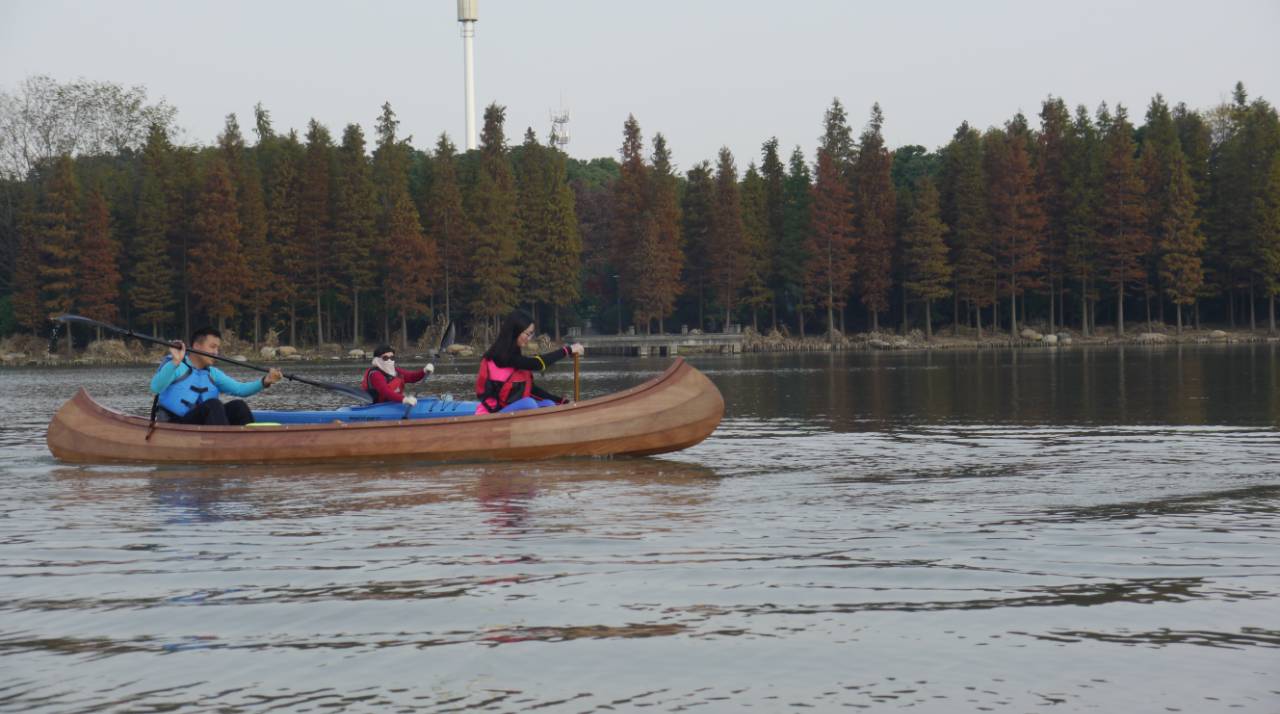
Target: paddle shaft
[
  {"x": 576, "y": 360},
  {"x": 155, "y": 340},
  {"x": 446, "y": 341}
]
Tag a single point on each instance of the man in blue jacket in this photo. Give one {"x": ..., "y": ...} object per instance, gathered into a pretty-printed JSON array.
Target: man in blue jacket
[{"x": 187, "y": 386}]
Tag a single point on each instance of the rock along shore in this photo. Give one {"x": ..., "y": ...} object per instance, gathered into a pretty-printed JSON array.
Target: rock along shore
[{"x": 26, "y": 350}]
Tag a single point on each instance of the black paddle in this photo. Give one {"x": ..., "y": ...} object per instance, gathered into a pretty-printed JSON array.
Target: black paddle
[
  {"x": 341, "y": 389},
  {"x": 446, "y": 341}
]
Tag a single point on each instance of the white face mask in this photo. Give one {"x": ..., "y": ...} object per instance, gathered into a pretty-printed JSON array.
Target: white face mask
[{"x": 386, "y": 365}]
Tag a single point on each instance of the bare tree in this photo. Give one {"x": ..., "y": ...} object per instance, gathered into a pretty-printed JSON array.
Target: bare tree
[{"x": 43, "y": 119}]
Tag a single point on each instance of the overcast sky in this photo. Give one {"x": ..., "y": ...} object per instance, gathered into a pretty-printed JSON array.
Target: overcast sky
[{"x": 706, "y": 74}]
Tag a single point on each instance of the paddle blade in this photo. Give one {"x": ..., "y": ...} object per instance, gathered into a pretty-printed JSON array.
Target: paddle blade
[
  {"x": 353, "y": 392},
  {"x": 446, "y": 340},
  {"x": 82, "y": 321}
]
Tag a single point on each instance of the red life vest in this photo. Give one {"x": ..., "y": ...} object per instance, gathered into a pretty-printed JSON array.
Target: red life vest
[
  {"x": 395, "y": 384},
  {"x": 496, "y": 387}
]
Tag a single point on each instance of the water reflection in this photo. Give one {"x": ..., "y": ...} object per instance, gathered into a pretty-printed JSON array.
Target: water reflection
[
  {"x": 196, "y": 494},
  {"x": 873, "y": 391}
]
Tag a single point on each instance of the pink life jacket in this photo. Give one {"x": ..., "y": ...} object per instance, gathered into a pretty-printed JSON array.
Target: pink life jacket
[{"x": 495, "y": 386}]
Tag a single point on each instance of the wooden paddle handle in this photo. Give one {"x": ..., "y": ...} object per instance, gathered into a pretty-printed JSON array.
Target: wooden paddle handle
[{"x": 575, "y": 377}]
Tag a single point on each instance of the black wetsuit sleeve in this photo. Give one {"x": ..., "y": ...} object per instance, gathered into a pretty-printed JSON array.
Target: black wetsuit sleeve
[
  {"x": 541, "y": 393},
  {"x": 538, "y": 363}
]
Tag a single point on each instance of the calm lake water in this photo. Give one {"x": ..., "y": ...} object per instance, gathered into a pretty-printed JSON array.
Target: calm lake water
[{"x": 1081, "y": 530}]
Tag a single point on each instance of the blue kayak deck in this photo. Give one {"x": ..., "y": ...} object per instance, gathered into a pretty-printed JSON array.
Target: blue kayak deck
[{"x": 387, "y": 411}]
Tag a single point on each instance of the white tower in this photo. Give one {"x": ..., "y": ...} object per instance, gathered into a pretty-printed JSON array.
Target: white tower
[
  {"x": 560, "y": 128},
  {"x": 468, "y": 15}
]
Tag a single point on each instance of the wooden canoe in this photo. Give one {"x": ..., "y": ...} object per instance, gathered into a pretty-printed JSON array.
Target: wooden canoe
[{"x": 673, "y": 411}]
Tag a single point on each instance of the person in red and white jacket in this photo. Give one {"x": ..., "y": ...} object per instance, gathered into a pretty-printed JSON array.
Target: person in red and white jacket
[{"x": 384, "y": 381}]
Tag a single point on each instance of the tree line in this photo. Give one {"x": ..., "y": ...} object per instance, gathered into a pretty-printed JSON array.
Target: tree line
[{"x": 1082, "y": 220}]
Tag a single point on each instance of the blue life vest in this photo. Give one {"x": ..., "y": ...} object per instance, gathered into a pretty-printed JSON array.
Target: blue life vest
[{"x": 187, "y": 390}]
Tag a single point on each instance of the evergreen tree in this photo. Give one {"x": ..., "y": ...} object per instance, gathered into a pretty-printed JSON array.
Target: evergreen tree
[
  {"x": 837, "y": 138},
  {"x": 1017, "y": 217},
  {"x": 1082, "y": 196},
  {"x": 1261, "y": 138},
  {"x": 491, "y": 204},
  {"x": 449, "y": 225},
  {"x": 354, "y": 223},
  {"x": 927, "y": 271},
  {"x": 830, "y": 245},
  {"x": 755, "y": 227},
  {"x": 791, "y": 257},
  {"x": 223, "y": 272},
  {"x": 290, "y": 253},
  {"x": 774, "y": 174},
  {"x": 696, "y": 208},
  {"x": 260, "y": 277},
  {"x": 562, "y": 253},
  {"x": 875, "y": 217},
  {"x": 27, "y": 307},
  {"x": 1053, "y": 166},
  {"x": 410, "y": 271},
  {"x": 314, "y": 226},
  {"x": 1196, "y": 142},
  {"x": 59, "y": 226},
  {"x": 151, "y": 275},
  {"x": 964, "y": 209},
  {"x": 98, "y": 272},
  {"x": 410, "y": 258},
  {"x": 268, "y": 149},
  {"x": 552, "y": 249},
  {"x": 727, "y": 240},
  {"x": 635, "y": 236},
  {"x": 1160, "y": 150},
  {"x": 670, "y": 243},
  {"x": 185, "y": 192},
  {"x": 1181, "y": 240},
  {"x": 1268, "y": 237},
  {"x": 1125, "y": 242}
]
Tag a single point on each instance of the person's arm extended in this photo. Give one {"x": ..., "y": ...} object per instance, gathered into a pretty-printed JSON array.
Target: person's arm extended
[
  {"x": 378, "y": 380},
  {"x": 541, "y": 362},
  {"x": 164, "y": 376},
  {"x": 411, "y": 375},
  {"x": 231, "y": 386},
  {"x": 541, "y": 393}
]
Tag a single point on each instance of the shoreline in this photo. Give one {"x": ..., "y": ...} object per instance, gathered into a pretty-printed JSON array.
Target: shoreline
[{"x": 113, "y": 352}]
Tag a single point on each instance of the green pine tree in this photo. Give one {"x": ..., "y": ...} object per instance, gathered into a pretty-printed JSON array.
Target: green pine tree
[
  {"x": 667, "y": 220},
  {"x": 696, "y": 208},
  {"x": 223, "y": 271},
  {"x": 59, "y": 225},
  {"x": 728, "y": 271},
  {"x": 355, "y": 206},
  {"x": 755, "y": 227},
  {"x": 791, "y": 256},
  {"x": 314, "y": 231},
  {"x": 491, "y": 203},
  {"x": 449, "y": 224},
  {"x": 98, "y": 272},
  {"x": 1124, "y": 242},
  {"x": 1181, "y": 242},
  {"x": 875, "y": 217},
  {"x": 774, "y": 174},
  {"x": 151, "y": 274},
  {"x": 964, "y": 208},
  {"x": 927, "y": 270}
]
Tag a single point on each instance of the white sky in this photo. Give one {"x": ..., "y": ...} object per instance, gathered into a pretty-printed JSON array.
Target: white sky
[{"x": 706, "y": 74}]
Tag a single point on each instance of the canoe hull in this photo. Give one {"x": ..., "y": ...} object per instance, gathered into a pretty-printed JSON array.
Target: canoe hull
[{"x": 673, "y": 411}]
